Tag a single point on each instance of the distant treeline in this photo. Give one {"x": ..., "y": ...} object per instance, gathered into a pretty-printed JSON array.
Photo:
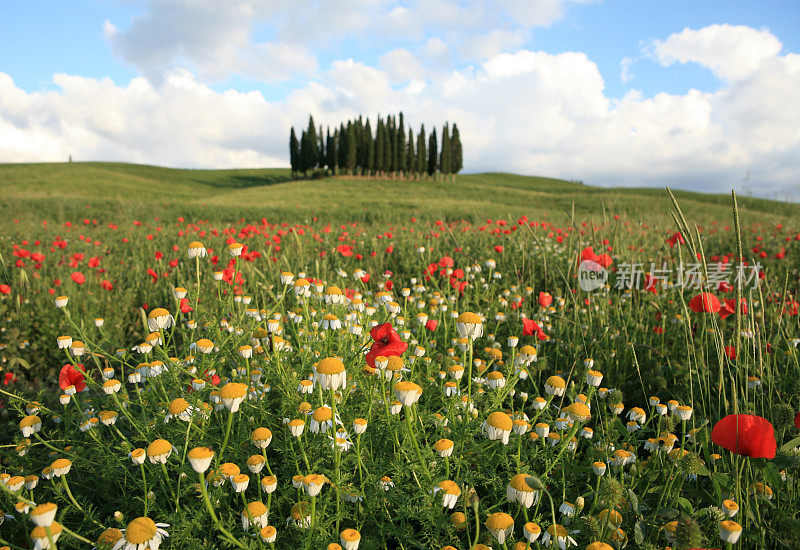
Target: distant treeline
[{"x": 354, "y": 149}]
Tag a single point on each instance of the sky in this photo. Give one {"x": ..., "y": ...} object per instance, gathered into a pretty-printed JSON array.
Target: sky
[{"x": 700, "y": 94}]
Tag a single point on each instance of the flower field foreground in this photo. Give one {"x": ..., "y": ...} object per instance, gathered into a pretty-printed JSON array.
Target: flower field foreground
[{"x": 419, "y": 385}]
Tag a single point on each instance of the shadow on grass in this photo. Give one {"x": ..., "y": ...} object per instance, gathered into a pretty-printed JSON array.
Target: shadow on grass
[{"x": 241, "y": 181}]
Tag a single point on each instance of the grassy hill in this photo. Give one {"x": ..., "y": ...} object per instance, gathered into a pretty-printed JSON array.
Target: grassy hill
[{"x": 57, "y": 190}]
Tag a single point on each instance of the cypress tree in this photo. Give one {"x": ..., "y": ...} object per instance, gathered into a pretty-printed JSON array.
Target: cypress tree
[
  {"x": 350, "y": 147},
  {"x": 411, "y": 162},
  {"x": 457, "y": 161},
  {"x": 321, "y": 149},
  {"x": 444, "y": 157},
  {"x": 422, "y": 155},
  {"x": 328, "y": 145},
  {"x": 379, "y": 147},
  {"x": 304, "y": 153},
  {"x": 341, "y": 148},
  {"x": 401, "y": 146},
  {"x": 361, "y": 150},
  {"x": 433, "y": 154},
  {"x": 387, "y": 147},
  {"x": 369, "y": 160},
  {"x": 312, "y": 149},
  {"x": 294, "y": 152},
  {"x": 333, "y": 159},
  {"x": 393, "y": 137}
]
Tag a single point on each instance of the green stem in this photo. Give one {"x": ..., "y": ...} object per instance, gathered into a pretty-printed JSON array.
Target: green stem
[
  {"x": 227, "y": 434},
  {"x": 144, "y": 480},
  {"x": 214, "y": 517}
]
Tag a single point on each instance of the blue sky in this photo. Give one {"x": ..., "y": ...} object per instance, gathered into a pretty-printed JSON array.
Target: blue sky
[
  {"x": 439, "y": 59},
  {"x": 39, "y": 38}
]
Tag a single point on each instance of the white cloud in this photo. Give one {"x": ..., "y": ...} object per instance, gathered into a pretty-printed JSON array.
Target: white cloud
[
  {"x": 625, "y": 69},
  {"x": 216, "y": 39},
  {"x": 528, "y": 112},
  {"x": 732, "y": 52},
  {"x": 535, "y": 13},
  {"x": 401, "y": 66},
  {"x": 486, "y": 45}
]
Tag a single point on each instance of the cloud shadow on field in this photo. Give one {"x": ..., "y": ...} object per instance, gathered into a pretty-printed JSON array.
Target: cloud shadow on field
[{"x": 245, "y": 180}]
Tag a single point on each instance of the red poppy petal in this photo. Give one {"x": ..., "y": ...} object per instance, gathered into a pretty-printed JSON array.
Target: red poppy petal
[
  {"x": 381, "y": 331},
  {"x": 746, "y": 434}
]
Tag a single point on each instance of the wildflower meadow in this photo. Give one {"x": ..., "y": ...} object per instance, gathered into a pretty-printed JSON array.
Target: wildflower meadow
[{"x": 581, "y": 379}]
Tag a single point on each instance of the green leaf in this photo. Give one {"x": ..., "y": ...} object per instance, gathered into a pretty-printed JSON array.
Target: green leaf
[
  {"x": 634, "y": 500},
  {"x": 144, "y": 320},
  {"x": 19, "y": 361},
  {"x": 723, "y": 479},
  {"x": 791, "y": 444},
  {"x": 685, "y": 505},
  {"x": 638, "y": 533}
]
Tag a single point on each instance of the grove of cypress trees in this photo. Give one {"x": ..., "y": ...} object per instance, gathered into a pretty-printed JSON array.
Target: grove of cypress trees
[{"x": 352, "y": 148}]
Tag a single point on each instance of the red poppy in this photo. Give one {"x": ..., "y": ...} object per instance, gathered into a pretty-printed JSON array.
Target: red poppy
[
  {"x": 78, "y": 277},
  {"x": 730, "y": 351},
  {"x": 797, "y": 421},
  {"x": 705, "y": 302},
  {"x": 724, "y": 286},
  {"x": 431, "y": 324},
  {"x": 588, "y": 254},
  {"x": 387, "y": 343},
  {"x": 70, "y": 376},
  {"x": 650, "y": 284},
  {"x": 676, "y": 238},
  {"x": 446, "y": 261},
  {"x": 529, "y": 327},
  {"x": 791, "y": 308},
  {"x": 214, "y": 378},
  {"x": 730, "y": 308},
  {"x": 545, "y": 299},
  {"x": 605, "y": 260},
  {"x": 498, "y": 248},
  {"x": 185, "y": 307},
  {"x": 746, "y": 434},
  {"x": 344, "y": 250},
  {"x": 5, "y": 289}
]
